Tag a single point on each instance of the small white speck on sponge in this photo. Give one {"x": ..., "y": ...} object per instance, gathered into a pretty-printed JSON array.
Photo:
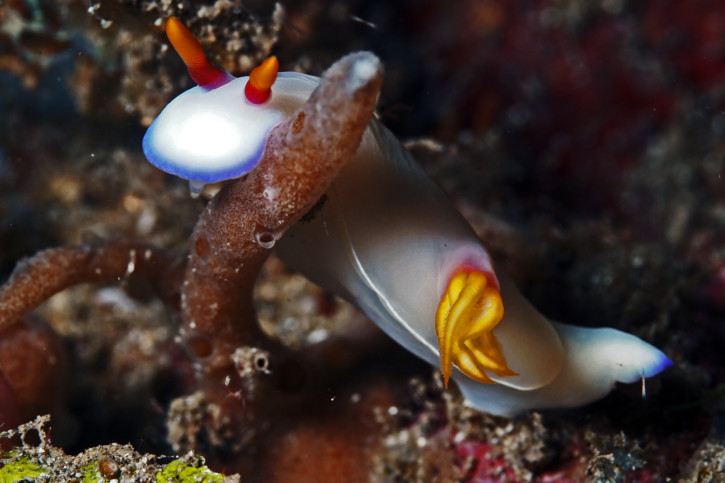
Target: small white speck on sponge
[{"x": 365, "y": 68}]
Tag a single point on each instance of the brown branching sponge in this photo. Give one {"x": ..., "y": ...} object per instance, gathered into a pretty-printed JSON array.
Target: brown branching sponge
[
  {"x": 230, "y": 243},
  {"x": 232, "y": 239},
  {"x": 233, "y": 236},
  {"x": 48, "y": 272}
]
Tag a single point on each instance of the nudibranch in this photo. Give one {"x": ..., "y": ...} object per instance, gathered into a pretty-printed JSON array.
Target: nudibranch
[
  {"x": 217, "y": 130},
  {"x": 388, "y": 240}
]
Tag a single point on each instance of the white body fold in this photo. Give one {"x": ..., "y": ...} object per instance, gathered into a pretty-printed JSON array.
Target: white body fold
[{"x": 389, "y": 241}]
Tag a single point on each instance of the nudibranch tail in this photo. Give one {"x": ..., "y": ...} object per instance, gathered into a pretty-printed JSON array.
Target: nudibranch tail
[
  {"x": 259, "y": 86},
  {"x": 191, "y": 52},
  {"x": 467, "y": 313}
]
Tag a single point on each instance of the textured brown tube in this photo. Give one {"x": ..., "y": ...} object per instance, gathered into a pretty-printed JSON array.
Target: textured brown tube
[
  {"x": 48, "y": 272},
  {"x": 302, "y": 156},
  {"x": 230, "y": 243}
]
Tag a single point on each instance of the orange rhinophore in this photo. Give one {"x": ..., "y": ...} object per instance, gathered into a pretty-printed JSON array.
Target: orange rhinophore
[
  {"x": 259, "y": 86},
  {"x": 190, "y": 51}
]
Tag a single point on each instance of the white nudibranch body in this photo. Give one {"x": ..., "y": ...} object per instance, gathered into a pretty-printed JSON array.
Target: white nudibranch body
[
  {"x": 210, "y": 135},
  {"x": 389, "y": 241}
]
